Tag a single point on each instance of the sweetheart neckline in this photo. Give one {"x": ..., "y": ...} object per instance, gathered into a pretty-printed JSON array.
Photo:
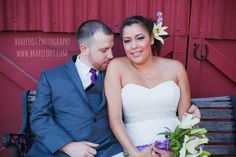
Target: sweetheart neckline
[{"x": 159, "y": 84}]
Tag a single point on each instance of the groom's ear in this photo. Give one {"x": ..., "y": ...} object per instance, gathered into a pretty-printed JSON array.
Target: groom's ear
[{"x": 84, "y": 49}]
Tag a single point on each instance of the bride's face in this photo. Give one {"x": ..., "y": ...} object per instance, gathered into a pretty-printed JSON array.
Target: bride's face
[{"x": 137, "y": 43}]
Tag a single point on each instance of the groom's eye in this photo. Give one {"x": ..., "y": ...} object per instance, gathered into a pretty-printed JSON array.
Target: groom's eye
[{"x": 104, "y": 50}]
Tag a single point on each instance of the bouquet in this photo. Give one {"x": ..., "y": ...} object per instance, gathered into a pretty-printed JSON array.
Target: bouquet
[{"x": 186, "y": 140}]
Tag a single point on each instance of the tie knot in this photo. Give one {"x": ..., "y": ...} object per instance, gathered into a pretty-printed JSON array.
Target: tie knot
[{"x": 93, "y": 71}]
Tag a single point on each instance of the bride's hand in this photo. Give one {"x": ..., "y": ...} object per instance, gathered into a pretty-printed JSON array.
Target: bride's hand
[
  {"x": 161, "y": 153},
  {"x": 194, "y": 110}
]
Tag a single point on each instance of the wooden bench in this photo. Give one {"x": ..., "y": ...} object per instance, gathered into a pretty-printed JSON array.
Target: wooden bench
[{"x": 217, "y": 118}]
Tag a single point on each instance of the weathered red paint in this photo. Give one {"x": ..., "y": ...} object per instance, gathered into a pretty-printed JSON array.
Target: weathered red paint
[
  {"x": 212, "y": 24},
  {"x": 66, "y": 15},
  {"x": 199, "y": 23}
]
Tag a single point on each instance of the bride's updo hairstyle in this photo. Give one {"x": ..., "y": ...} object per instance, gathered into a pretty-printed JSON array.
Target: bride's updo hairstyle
[{"x": 147, "y": 24}]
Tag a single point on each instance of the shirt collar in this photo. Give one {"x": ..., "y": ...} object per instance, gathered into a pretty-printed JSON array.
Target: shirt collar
[{"x": 82, "y": 68}]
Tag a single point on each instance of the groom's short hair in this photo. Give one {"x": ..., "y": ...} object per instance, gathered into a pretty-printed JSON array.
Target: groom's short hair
[{"x": 89, "y": 28}]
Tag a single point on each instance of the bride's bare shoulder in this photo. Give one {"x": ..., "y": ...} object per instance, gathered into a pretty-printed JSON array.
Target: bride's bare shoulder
[
  {"x": 173, "y": 63},
  {"x": 172, "y": 66},
  {"x": 118, "y": 63}
]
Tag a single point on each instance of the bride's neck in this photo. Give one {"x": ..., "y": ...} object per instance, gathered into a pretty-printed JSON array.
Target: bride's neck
[{"x": 145, "y": 66}]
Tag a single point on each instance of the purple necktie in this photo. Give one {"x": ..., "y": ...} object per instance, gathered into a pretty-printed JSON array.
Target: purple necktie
[{"x": 93, "y": 79}]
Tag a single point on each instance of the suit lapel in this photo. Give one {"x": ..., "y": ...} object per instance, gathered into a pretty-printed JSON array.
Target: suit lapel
[{"x": 72, "y": 73}]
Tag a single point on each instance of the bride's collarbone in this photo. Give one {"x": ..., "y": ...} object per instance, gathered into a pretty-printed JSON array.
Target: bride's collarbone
[{"x": 141, "y": 82}]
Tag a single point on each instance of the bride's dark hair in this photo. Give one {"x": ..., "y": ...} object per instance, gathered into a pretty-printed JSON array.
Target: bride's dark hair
[{"x": 147, "y": 24}]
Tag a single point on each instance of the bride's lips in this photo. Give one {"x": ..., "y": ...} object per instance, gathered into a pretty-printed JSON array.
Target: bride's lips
[{"x": 136, "y": 53}]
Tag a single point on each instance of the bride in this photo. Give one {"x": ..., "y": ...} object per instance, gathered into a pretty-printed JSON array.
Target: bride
[{"x": 145, "y": 92}]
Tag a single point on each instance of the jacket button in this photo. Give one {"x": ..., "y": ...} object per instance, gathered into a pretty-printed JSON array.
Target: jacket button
[{"x": 94, "y": 120}]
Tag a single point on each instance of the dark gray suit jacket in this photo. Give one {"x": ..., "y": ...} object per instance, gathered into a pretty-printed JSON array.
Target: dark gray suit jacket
[{"x": 62, "y": 113}]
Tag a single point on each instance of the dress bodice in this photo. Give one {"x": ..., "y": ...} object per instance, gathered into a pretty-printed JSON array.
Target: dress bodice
[{"x": 147, "y": 111}]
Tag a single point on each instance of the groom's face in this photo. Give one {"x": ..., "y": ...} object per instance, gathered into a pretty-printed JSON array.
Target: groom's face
[{"x": 100, "y": 50}]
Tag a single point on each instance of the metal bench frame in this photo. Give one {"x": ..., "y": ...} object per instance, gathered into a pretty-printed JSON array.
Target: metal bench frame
[{"x": 21, "y": 142}]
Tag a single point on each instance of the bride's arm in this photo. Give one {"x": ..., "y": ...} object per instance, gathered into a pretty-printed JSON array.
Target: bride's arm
[
  {"x": 182, "y": 81},
  {"x": 113, "y": 93}
]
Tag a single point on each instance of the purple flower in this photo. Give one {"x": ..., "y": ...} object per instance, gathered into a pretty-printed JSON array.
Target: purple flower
[
  {"x": 140, "y": 148},
  {"x": 158, "y": 144},
  {"x": 163, "y": 144}
]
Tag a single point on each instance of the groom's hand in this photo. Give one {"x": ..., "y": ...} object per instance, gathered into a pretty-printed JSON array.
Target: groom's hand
[
  {"x": 194, "y": 110},
  {"x": 80, "y": 149}
]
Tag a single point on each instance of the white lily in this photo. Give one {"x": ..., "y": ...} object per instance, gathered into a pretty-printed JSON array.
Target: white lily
[
  {"x": 159, "y": 30},
  {"x": 192, "y": 144},
  {"x": 188, "y": 121},
  {"x": 182, "y": 151},
  {"x": 195, "y": 155}
]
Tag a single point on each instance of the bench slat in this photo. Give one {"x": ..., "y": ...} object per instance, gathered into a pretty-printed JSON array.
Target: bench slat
[
  {"x": 215, "y": 99},
  {"x": 218, "y": 126},
  {"x": 221, "y": 150},
  {"x": 217, "y": 114},
  {"x": 219, "y": 137},
  {"x": 212, "y": 104}
]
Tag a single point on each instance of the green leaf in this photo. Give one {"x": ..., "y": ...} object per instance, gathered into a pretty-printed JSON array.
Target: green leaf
[
  {"x": 205, "y": 153},
  {"x": 198, "y": 131},
  {"x": 179, "y": 145},
  {"x": 165, "y": 133}
]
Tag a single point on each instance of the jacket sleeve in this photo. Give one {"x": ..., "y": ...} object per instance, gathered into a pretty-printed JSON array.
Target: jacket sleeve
[{"x": 43, "y": 125}]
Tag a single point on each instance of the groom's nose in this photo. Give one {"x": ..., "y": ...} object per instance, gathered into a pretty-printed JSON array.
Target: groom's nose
[{"x": 110, "y": 54}]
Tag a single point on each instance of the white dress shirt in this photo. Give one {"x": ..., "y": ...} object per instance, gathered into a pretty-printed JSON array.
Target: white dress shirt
[{"x": 83, "y": 70}]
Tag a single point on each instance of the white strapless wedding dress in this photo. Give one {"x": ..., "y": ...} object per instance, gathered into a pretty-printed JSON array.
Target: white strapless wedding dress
[{"x": 148, "y": 111}]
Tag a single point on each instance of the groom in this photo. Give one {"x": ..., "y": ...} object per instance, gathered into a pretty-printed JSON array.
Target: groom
[{"x": 69, "y": 116}]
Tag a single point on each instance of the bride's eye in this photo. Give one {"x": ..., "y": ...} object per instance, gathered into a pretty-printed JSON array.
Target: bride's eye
[
  {"x": 126, "y": 41},
  {"x": 140, "y": 38}
]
